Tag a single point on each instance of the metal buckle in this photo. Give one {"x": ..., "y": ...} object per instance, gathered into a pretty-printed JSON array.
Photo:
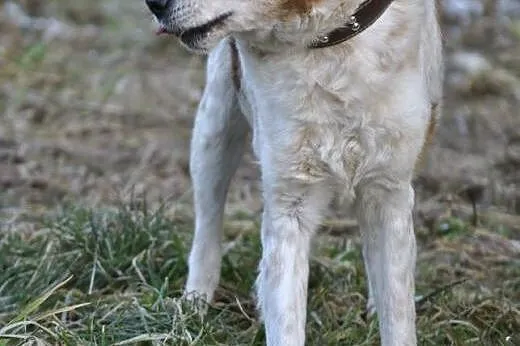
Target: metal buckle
[{"x": 354, "y": 24}]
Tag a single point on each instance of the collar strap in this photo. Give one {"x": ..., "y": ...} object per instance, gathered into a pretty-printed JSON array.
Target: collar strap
[{"x": 366, "y": 14}]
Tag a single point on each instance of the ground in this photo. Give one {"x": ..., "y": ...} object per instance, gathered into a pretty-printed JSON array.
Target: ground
[{"x": 95, "y": 199}]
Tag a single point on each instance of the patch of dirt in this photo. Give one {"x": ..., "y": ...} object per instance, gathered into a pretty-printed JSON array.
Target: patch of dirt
[{"x": 95, "y": 109}]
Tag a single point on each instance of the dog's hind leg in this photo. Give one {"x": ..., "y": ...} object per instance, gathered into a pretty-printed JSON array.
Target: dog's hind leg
[
  {"x": 385, "y": 218},
  {"x": 217, "y": 146}
]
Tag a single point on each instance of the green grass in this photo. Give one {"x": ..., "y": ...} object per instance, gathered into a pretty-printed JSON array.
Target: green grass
[{"x": 114, "y": 277}]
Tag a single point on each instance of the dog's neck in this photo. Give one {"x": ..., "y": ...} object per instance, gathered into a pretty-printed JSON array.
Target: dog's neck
[{"x": 325, "y": 26}]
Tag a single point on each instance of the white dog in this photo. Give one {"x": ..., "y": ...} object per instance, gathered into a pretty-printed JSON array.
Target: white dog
[{"x": 341, "y": 95}]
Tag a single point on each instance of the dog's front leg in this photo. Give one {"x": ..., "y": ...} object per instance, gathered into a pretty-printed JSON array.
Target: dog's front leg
[
  {"x": 385, "y": 217},
  {"x": 218, "y": 142},
  {"x": 291, "y": 214},
  {"x": 371, "y": 303}
]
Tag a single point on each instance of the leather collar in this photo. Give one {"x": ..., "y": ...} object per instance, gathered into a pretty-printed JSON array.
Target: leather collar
[{"x": 366, "y": 14}]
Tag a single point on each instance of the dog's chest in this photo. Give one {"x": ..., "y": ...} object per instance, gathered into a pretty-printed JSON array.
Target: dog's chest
[{"x": 315, "y": 124}]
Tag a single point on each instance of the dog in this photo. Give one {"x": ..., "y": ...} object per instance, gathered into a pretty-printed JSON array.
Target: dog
[{"x": 340, "y": 96}]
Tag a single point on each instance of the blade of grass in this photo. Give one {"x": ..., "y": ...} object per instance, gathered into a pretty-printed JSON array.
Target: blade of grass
[
  {"x": 24, "y": 324},
  {"x": 31, "y": 307},
  {"x": 144, "y": 337},
  {"x": 46, "y": 314}
]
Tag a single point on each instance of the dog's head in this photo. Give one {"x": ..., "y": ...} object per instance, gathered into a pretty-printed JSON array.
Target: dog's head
[{"x": 201, "y": 24}]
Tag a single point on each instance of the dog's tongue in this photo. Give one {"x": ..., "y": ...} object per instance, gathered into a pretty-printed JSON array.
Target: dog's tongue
[{"x": 161, "y": 31}]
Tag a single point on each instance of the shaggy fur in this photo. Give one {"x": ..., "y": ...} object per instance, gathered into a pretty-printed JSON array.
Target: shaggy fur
[{"x": 351, "y": 118}]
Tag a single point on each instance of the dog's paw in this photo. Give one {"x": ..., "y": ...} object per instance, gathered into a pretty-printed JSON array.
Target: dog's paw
[
  {"x": 196, "y": 301},
  {"x": 186, "y": 310}
]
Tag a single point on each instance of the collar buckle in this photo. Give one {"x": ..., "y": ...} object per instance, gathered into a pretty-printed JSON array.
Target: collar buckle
[{"x": 353, "y": 23}]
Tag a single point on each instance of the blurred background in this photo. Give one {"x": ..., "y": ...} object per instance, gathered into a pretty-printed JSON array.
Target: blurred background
[
  {"x": 96, "y": 111},
  {"x": 95, "y": 108}
]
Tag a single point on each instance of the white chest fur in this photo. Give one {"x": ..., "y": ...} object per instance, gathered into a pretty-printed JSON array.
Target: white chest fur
[{"x": 338, "y": 112}]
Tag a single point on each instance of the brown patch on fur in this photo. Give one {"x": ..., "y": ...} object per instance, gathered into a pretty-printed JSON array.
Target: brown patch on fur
[
  {"x": 289, "y": 7},
  {"x": 430, "y": 133},
  {"x": 236, "y": 73}
]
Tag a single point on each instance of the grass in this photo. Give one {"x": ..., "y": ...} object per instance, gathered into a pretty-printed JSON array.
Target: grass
[
  {"x": 86, "y": 116},
  {"x": 114, "y": 277}
]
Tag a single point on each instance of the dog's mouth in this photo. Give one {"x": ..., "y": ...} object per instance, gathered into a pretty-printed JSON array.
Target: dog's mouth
[{"x": 189, "y": 36}]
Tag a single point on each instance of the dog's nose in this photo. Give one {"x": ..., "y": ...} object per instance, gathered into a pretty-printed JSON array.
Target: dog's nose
[{"x": 158, "y": 7}]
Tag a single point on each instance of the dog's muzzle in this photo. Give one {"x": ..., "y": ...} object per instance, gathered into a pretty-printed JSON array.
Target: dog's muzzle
[
  {"x": 160, "y": 8},
  {"x": 190, "y": 36}
]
